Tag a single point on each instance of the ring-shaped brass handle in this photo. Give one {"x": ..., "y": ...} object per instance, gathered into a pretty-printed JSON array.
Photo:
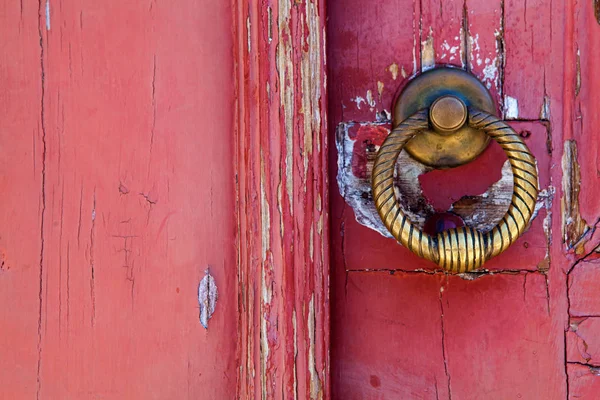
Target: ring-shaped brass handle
[{"x": 458, "y": 249}]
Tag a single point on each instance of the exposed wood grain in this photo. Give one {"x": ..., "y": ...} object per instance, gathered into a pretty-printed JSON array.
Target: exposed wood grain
[
  {"x": 282, "y": 202},
  {"x": 581, "y": 120},
  {"x": 574, "y": 226}
]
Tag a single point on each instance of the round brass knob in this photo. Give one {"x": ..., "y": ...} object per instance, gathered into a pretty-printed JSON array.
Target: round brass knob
[
  {"x": 448, "y": 114},
  {"x": 457, "y": 249}
]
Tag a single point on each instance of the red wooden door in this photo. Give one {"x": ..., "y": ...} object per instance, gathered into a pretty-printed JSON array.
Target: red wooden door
[
  {"x": 116, "y": 174},
  {"x": 526, "y": 325}
]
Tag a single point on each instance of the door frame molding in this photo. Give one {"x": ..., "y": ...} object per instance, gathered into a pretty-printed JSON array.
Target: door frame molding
[{"x": 282, "y": 200}]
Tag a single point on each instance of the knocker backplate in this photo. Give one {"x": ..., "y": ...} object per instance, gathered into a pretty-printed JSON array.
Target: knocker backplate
[{"x": 444, "y": 150}]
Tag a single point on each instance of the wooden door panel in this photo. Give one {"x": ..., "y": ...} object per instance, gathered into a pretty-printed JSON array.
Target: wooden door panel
[
  {"x": 507, "y": 322},
  {"x": 117, "y": 199},
  {"x": 393, "y": 344},
  {"x": 21, "y": 166},
  {"x": 423, "y": 336}
]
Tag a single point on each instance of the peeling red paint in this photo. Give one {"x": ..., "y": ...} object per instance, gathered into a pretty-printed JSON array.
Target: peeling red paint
[{"x": 282, "y": 205}]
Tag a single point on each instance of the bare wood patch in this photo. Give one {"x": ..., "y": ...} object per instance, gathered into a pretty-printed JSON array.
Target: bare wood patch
[
  {"x": 574, "y": 227},
  {"x": 357, "y": 145}
]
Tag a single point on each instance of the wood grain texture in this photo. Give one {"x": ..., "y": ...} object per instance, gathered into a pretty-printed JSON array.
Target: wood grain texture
[
  {"x": 580, "y": 210},
  {"x": 282, "y": 200},
  {"x": 118, "y": 193}
]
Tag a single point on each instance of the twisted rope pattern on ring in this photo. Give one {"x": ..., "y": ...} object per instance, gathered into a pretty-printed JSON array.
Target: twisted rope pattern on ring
[{"x": 458, "y": 249}]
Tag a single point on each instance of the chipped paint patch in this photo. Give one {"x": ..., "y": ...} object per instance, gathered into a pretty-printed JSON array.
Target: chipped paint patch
[
  {"x": 393, "y": 70},
  {"x": 207, "y": 298},
  {"x": 578, "y": 73},
  {"x": 486, "y": 210},
  {"x": 463, "y": 50},
  {"x": 285, "y": 67},
  {"x": 488, "y": 65},
  {"x": 545, "y": 109},
  {"x": 248, "y": 35},
  {"x": 48, "y": 15},
  {"x": 264, "y": 211},
  {"x": 370, "y": 101},
  {"x": 427, "y": 52},
  {"x": 358, "y": 100},
  {"x": 356, "y": 156},
  {"x": 574, "y": 227},
  {"x": 450, "y": 51},
  {"x": 511, "y": 108},
  {"x": 380, "y": 87},
  {"x": 357, "y": 145},
  {"x": 315, "y": 382},
  {"x": 490, "y": 72}
]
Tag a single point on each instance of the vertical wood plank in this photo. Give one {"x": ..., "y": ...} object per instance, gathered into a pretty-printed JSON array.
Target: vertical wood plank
[
  {"x": 21, "y": 200},
  {"x": 515, "y": 354},
  {"x": 528, "y": 42},
  {"x": 280, "y": 165},
  {"x": 443, "y": 33},
  {"x": 376, "y": 47},
  {"x": 137, "y": 198},
  {"x": 485, "y": 44}
]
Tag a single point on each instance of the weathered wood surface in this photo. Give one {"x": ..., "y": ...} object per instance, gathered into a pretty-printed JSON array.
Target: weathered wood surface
[
  {"x": 528, "y": 319},
  {"x": 117, "y": 188},
  {"x": 282, "y": 188}
]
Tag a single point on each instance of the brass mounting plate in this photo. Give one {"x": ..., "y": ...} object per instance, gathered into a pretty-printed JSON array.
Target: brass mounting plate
[{"x": 430, "y": 147}]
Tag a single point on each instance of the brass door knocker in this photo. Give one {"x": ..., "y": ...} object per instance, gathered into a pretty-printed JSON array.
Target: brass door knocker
[{"x": 445, "y": 118}]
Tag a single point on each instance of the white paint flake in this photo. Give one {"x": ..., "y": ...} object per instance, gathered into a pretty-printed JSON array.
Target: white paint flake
[
  {"x": 358, "y": 100},
  {"x": 370, "y": 101},
  {"x": 490, "y": 72},
  {"x": 511, "y": 108},
  {"x": 48, "y": 15},
  {"x": 207, "y": 298},
  {"x": 545, "y": 110}
]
